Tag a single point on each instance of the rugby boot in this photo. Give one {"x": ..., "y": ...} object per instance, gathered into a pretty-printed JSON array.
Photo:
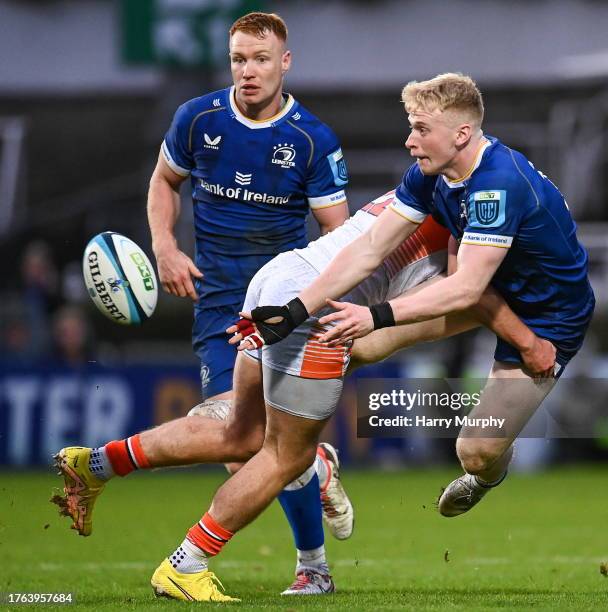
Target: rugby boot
[
  {"x": 462, "y": 494},
  {"x": 338, "y": 513},
  {"x": 81, "y": 490},
  {"x": 311, "y": 582},
  {"x": 201, "y": 586}
]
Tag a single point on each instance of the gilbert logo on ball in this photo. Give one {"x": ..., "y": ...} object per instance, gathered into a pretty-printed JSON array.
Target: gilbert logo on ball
[{"x": 120, "y": 278}]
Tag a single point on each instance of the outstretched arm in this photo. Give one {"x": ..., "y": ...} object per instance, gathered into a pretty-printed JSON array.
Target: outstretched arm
[
  {"x": 353, "y": 264},
  {"x": 358, "y": 260},
  {"x": 459, "y": 291},
  {"x": 467, "y": 288}
]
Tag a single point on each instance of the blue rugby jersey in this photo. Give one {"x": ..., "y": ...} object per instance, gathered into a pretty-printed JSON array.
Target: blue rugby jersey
[
  {"x": 505, "y": 202},
  {"x": 253, "y": 184}
]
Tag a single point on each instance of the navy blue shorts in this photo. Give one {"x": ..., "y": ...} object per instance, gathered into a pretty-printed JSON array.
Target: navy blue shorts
[
  {"x": 565, "y": 350},
  {"x": 210, "y": 343}
]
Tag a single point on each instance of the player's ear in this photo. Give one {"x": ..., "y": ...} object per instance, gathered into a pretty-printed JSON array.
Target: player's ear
[
  {"x": 286, "y": 61},
  {"x": 463, "y": 134}
]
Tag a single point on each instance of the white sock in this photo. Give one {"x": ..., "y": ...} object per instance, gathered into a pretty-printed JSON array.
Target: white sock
[
  {"x": 322, "y": 471},
  {"x": 100, "y": 465},
  {"x": 490, "y": 485},
  {"x": 188, "y": 558},
  {"x": 302, "y": 480},
  {"x": 312, "y": 559}
]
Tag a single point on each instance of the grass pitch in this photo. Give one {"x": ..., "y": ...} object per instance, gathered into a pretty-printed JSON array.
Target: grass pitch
[{"x": 537, "y": 542}]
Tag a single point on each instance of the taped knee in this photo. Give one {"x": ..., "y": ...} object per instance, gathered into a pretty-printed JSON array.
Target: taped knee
[{"x": 218, "y": 409}]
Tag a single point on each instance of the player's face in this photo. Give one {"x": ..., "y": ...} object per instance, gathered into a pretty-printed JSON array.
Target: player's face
[
  {"x": 258, "y": 66},
  {"x": 433, "y": 141}
]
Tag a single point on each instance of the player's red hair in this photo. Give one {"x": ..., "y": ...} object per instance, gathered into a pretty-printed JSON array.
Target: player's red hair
[{"x": 259, "y": 24}]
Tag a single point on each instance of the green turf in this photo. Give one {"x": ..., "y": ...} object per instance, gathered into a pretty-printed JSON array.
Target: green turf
[{"x": 537, "y": 542}]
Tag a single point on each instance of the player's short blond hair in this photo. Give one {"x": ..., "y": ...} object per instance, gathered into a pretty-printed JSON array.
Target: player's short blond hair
[
  {"x": 259, "y": 24},
  {"x": 449, "y": 91}
]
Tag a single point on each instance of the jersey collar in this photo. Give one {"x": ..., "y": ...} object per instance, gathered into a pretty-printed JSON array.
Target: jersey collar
[
  {"x": 253, "y": 123},
  {"x": 459, "y": 182}
]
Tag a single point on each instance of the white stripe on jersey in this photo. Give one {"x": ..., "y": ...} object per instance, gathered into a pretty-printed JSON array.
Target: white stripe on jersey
[
  {"x": 257, "y": 124},
  {"x": 487, "y": 240},
  {"x": 411, "y": 214},
  {"x": 175, "y": 167},
  {"x": 327, "y": 200}
]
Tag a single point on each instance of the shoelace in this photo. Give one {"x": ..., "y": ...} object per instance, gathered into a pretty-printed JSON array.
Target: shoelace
[
  {"x": 303, "y": 579},
  {"x": 326, "y": 503},
  {"x": 214, "y": 579},
  {"x": 470, "y": 490},
  {"x": 328, "y": 506}
]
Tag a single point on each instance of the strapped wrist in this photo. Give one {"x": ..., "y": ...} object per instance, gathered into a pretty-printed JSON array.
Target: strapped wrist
[
  {"x": 297, "y": 311},
  {"x": 382, "y": 314}
]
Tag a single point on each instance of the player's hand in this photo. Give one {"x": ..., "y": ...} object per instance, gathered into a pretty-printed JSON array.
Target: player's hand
[
  {"x": 267, "y": 324},
  {"x": 351, "y": 321},
  {"x": 244, "y": 333},
  {"x": 539, "y": 359},
  {"x": 175, "y": 271}
]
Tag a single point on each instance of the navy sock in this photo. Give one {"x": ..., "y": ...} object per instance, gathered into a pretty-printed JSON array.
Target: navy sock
[{"x": 302, "y": 506}]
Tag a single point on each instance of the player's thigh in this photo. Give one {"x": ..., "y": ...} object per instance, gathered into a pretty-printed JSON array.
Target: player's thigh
[
  {"x": 314, "y": 399},
  {"x": 508, "y": 394}
]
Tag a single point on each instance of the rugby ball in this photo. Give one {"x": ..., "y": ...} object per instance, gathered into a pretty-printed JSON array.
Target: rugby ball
[{"x": 120, "y": 278}]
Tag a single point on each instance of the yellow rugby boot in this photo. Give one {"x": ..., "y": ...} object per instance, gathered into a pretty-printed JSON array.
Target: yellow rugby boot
[
  {"x": 81, "y": 490},
  {"x": 202, "y": 586}
]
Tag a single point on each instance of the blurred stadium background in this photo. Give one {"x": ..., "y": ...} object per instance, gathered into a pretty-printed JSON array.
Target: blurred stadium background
[{"x": 87, "y": 90}]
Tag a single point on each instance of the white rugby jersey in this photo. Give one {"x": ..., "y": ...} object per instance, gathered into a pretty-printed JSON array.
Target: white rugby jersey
[{"x": 395, "y": 274}]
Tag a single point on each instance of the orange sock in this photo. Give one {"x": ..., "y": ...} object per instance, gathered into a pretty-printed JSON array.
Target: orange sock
[
  {"x": 126, "y": 455},
  {"x": 209, "y": 535}
]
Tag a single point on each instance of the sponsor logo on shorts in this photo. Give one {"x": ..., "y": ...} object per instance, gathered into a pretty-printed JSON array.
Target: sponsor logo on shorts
[{"x": 205, "y": 376}]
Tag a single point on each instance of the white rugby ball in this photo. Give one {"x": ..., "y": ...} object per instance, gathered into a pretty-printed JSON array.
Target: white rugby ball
[{"x": 120, "y": 278}]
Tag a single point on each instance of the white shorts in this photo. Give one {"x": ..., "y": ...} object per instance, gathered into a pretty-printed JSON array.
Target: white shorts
[{"x": 300, "y": 354}]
